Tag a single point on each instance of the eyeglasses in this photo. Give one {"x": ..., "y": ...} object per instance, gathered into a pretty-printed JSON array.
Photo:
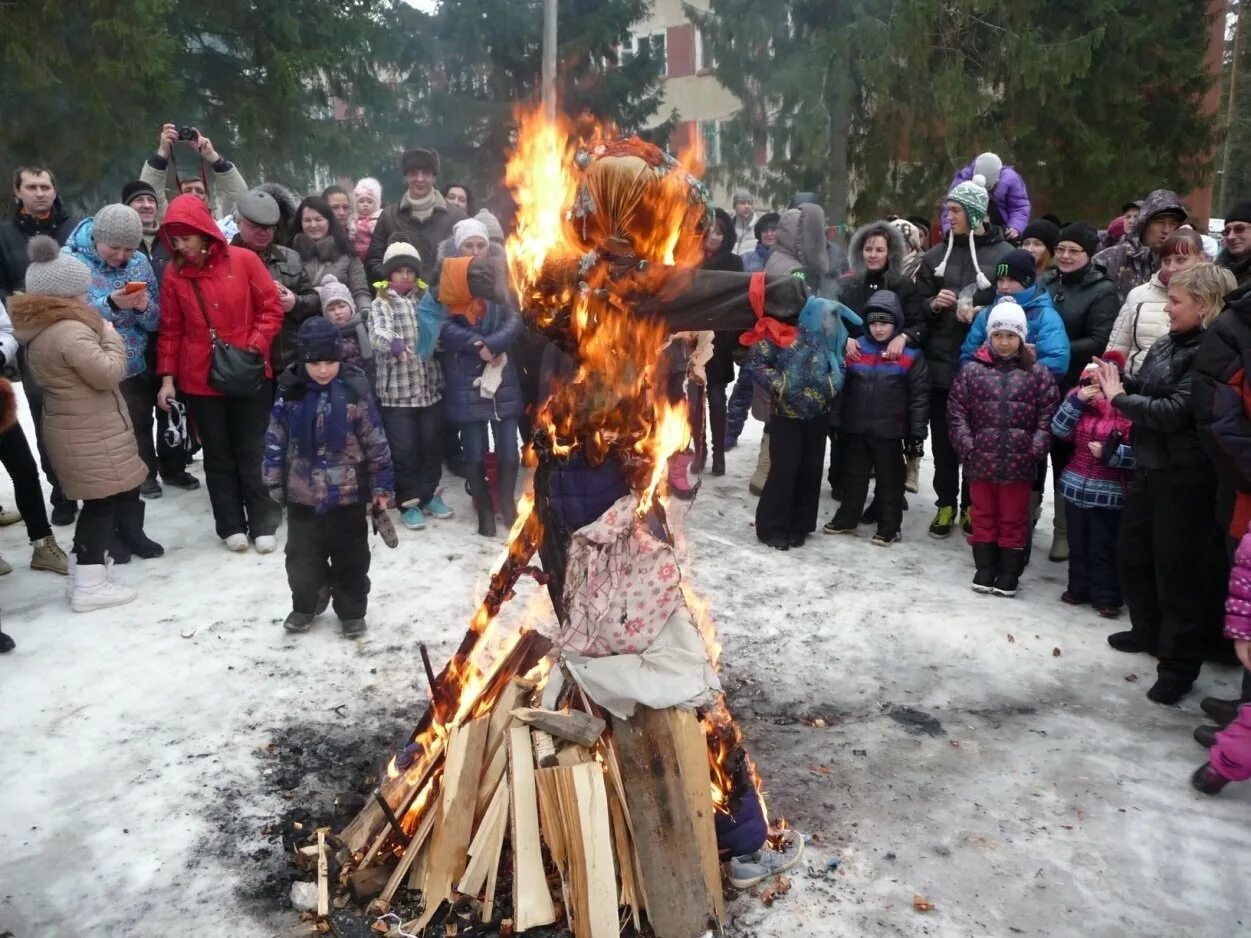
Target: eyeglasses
[
  {"x": 1236, "y": 229},
  {"x": 176, "y": 435},
  {"x": 1068, "y": 252}
]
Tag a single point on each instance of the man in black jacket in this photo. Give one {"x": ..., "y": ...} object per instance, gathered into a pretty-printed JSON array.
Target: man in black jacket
[
  {"x": 1235, "y": 253},
  {"x": 422, "y": 217},
  {"x": 37, "y": 210}
]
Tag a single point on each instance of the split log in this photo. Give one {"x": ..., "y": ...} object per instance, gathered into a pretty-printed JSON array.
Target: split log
[
  {"x": 323, "y": 876},
  {"x": 588, "y": 843},
  {"x": 669, "y": 835},
  {"x": 693, "y": 757},
  {"x": 411, "y": 852},
  {"x": 482, "y": 849},
  {"x": 367, "y": 883},
  {"x": 532, "y": 903},
  {"x": 575, "y": 726},
  {"x": 453, "y": 826}
]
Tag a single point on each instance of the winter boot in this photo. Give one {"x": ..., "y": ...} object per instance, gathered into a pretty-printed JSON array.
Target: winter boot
[
  {"x": 354, "y": 628},
  {"x": 298, "y": 621},
  {"x": 508, "y": 493},
  {"x": 475, "y": 476},
  {"x": 46, "y": 554},
  {"x": 1205, "y": 735},
  {"x": 9, "y": 517},
  {"x": 1011, "y": 565},
  {"x": 761, "y": 475},
  {"x": 986, "y": 559},
  {"x": 92, "y": 589},
  {"x": 1222, "y": 711},
  {"x": 1169, "y": 689},
  {"x": 940, "y": 527},
  {"x": 1128, "y": 641},
  {"x": 130, "y": 517},
  {"x": 1207, "y": 780},
  {"x": 6, "y": 644},
  {"x": 117, "y": 550},
  {"x": 1060, "y": 532}
]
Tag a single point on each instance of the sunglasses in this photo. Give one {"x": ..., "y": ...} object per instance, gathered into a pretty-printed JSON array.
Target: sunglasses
[{"x": 1237, "y": 229}]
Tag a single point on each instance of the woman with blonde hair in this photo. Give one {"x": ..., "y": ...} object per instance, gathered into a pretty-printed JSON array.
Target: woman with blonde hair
[{"x": 1171, "y": 556}]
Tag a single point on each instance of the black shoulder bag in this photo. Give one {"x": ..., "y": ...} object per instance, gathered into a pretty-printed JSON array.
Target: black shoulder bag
[{"x": 236, "y": 372}]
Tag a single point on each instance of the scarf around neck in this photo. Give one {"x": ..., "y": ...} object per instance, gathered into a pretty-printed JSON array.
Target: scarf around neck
[
  {"x": 422, "y": 208},
  {"x": 329, "y": 401}
]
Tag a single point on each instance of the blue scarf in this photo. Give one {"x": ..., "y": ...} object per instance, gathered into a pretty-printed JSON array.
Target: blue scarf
[{"x": 329, "y": 400}]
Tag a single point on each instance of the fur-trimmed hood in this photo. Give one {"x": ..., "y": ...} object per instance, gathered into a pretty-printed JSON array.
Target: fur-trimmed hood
[
  {"x": 895, "y": 248},
  {"x": 32, "y": 313},
  {"x": 800, "y": 244}
]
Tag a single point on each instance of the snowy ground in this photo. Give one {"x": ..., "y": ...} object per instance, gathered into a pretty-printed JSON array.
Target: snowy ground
[{"x": 993, "y": 756}]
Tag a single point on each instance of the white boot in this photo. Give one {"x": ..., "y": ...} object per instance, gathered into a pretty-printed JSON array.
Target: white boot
[
  {"x": 73, "y": 562},
  {"x": 92, "y": 589}
]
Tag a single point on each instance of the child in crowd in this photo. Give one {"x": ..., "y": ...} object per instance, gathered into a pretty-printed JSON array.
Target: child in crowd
[
  {"x": 368, "y": 198},
  {"x": 884, "y": 402},
  {"x": 1229, "y": 758},
  {"x": 999, "y": 417},
  {"x": 409, "y": 388},
  {"x": 338, "y": 306},
  {"x": 1093, "y": 487},
  {"x": 327, "y": 460}
]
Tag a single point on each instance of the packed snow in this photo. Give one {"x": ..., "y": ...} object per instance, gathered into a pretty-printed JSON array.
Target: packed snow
[{"x": 992, "y": 756}]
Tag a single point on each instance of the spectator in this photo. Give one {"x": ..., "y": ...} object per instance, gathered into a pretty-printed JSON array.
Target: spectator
[
  {"x": 764, "y": 236},
  {"x": 422, "y": 217},
  {"x": 916, "y": 243},
  {"x": 38, "y": 211},
  {"x": 746, "y": 233},
  {"x": 1235, "y": 254},
  {"x": 324, "y": 248},
  {"x": 719, "y": 254},
  {"x": 459, "y": 195},
  {"x": 259, "y": 216},
  {"x": 1009, "y": 206},
  {"x": 1040, "y": 238},
  {"x": 925, "y": 228},
  {"x": 79, "y": 360},
  {"x": 836, "y": 256},
  {"x": 339, "y": 308},
  {"x": 1132, "y": 262},
  {"x": 368, "y": 193},
  {"x": 227, "y": 179},
  {"x": 340, "y": 205},
  {"x": 212, "y": 288}
]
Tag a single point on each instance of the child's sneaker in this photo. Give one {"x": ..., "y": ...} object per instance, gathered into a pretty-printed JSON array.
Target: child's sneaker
[
  {"x": 940, "y": 527},
  {"x": 886, "y": 538},
  {"x": 438, "y": 508},
  {"x": 1072, "y": 599},
  {"x": 413, "y": 517},
  {"x": 1207, "y": 780},
  {"x": 752, "y": 868}
]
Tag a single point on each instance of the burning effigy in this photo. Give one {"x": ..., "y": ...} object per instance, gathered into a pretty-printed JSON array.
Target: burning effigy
[{"x": 589, "y": 773}]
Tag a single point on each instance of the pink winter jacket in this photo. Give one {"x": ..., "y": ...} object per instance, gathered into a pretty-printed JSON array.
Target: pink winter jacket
[
  {"x": 1238, "y": 601},
  {"x": 363, "y": 232}
]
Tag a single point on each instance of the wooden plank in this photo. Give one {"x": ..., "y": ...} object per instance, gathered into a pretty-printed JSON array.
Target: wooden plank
[
  {"x": 625, "y": 856},
  {"x": 493, "y": 860},
  {"x": 496, "y": 815},
  {"x": 532, "y": 903},
  {"x": 576, "y": 726},
  {"x": 597, "y": 879},
  {"x": 323, "y": 876},
  {"x": 411, "y": 852},
  {"x": 574, "y": 754},
  {"x": 671, "y": 870},
  {"x": 453, "y": 826},
  {"x": 490, "y": 781},
  {"x": 614, "y": 777},
  {"x": 367, "y": 883},
  {"x": 692, "y": 744}
]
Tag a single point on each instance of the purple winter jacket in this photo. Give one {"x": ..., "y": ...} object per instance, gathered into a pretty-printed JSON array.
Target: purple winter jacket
[
  {"x": 999, "y": 415},
  {"x": 1009, "y": 197},
  {"x": 1238, "y": 601}
]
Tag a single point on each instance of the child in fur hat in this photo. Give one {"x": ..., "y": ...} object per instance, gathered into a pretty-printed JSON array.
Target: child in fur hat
[{"x": 1093, "y": 487}]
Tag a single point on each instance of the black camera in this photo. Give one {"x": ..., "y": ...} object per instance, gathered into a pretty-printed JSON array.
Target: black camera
[{"x": 190, "y": 134}]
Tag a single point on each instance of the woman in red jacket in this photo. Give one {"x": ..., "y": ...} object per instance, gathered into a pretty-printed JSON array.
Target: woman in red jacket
[{"x": 209, "y": 281}]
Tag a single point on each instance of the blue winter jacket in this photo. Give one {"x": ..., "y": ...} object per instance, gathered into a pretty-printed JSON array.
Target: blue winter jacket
[
  {"x": 804, "y": 378},
  {"x": 136, "y": 328},
  {"x": 499, "y": 329},
  {"x": 1045, "y": 331}
]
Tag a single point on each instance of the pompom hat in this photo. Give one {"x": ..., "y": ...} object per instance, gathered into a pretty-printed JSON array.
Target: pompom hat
[{"x": 52, "y": 273}]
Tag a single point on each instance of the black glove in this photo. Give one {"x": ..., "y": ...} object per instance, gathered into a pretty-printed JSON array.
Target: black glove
[{"x": 1111, "y": 445}]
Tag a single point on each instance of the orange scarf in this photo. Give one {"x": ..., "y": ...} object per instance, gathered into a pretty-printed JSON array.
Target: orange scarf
[{"x": 454, "y": 291}]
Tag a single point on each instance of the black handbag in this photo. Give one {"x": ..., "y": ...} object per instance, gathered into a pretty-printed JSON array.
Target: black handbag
[{"x": 236, "y": 372}]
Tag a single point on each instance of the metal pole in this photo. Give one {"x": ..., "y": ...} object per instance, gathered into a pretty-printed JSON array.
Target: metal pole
[
  {"x": 549, "y": 58},
  {"x": 1231, "y": 109}
]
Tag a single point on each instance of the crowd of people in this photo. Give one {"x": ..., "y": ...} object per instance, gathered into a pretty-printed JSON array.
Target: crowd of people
[{"x": 331, "y": 361}]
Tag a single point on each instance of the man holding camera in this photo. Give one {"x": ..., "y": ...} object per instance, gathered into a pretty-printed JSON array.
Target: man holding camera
[{"x": 228, "y": 181}]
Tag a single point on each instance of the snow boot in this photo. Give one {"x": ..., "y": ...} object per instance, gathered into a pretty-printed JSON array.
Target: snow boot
[
  {"x": 46, "y": 554},
  {"x": 9, "y": 517},
  {"x": 1059, "y": 551},
  {"x": 761, "y": 475},
  {"x": 130, "y": 517},
  {"x": 6, "y": 644},
  {"x": 298, "y": 621},
  {"x": 1222, "y": 711},
  {"x": 508, "y": 493},
  {"x": 1207, "y": 780},
  {"x": 1169, "y": 689},
  {"x": 1011, "y": 566},
  {"x": 986, "y": 559},
  {"x": 475, "y": 477},
  {"x": 92, "y": 589},
  {"x": 1128, "y": 641},
  {"x": 1205, "y": 735},
  {"x": 354, "y": 628}
]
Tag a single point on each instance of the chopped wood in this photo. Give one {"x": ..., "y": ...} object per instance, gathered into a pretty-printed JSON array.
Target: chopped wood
[
  {"x": 584, "y": 812},
  {"x": 532, "y": 903},
  {"x": 491, "y": 775},
  {"x": 544, "y": 749},
  {"x": 411, "y": 852},
  {"x": 551, "y": 825},
  {"x": 667, "y": 835},
  {"x": 323, "y": 876},
  {"x": 696, "y": 774},
  {"x": 480, "y": 849},
  {"x": 576, "y": 726},
  {"x": 367, "y": 883},
  {"x": 613, "y": 768},
  {"x": 493, "y": 864},
  {"x": 624, "y": 850},
  {"x": 453, "y": 826},
  {"x": 573, "y": 754}
]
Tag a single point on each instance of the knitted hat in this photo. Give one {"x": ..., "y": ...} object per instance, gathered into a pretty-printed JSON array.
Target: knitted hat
[
  {"x": 135, "y": 188},
  {"x": 975, "y": 200},
  {"x": 415, "y": 159},
  {"x": 877, "y": 314},
  {"x": 988, "y": 166},
  {"x": 259, "y": 207},
  {"x": 400, "y": 254},
  {"x": 318, "y": 341},
  {"x": 1137, "y": 203},
  {"x": 331, "y": 290},
  {"x": 1114, "y": 357},
  {"x": 1083, "y": 235},
  {"x": 1020, "y": 266},
  {"x": 741, "y": 196},
  {"x": 766, "y": 221},
  {"x": 495, "y": 231},
  {"x": 52, "y": 273},
  {"x": 1239, "y": 211},
  {"x": 1007, "y": 316},
  {"x": 118, "y": 226},
  {"x": 371, "y": 187},
  {"x": 1044, "y": 231},
  {"x": 468, "y": 228}
]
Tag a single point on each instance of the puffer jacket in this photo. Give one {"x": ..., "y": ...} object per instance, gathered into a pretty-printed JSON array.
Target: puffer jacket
[
  {"x": 1221, "y": 396},
  {"x": 803, "y": 378},
  {"x": 720, "y": 368},
  {"x": 857, "y": 288},
  {"x": 941, "y": 334},
  {"x": 1140, "y": 323},
  {"x": 1157, "y": 400},
  {"x": 326, "y": 479},
  {"x": 1088, "y": 482},
  {"x": 322, "y": 257},
  {"x": 799, "y": 250},
  {"x": 999, "y": 416},
  {"x": 499, "y": 329},
  {"x": 1087, "y": 303},
  {"x": 133, "y": 326},
  {"x": 285, "y": 267},
  {"x": 15, "y": 235},
  {"x": 1131, "y": 263},
  {"x": 1238, "y": 600},
  {"x": 86, "y": 425},
  {"x": 239, "y": 296},
  {"x": 887, "y": 399},
  {"x": 398, "y": 223},
  {"x": 1044, "y": 331}
]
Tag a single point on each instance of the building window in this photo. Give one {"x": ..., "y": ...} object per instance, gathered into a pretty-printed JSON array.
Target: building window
[
  {"x": 653, "y": 43},
  {"x": 704, "y": 56},
  {"x": 710, "y": 136}
]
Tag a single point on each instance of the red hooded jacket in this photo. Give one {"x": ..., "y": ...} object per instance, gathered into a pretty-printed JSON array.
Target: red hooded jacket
[{"x": 239, "y": 296}]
